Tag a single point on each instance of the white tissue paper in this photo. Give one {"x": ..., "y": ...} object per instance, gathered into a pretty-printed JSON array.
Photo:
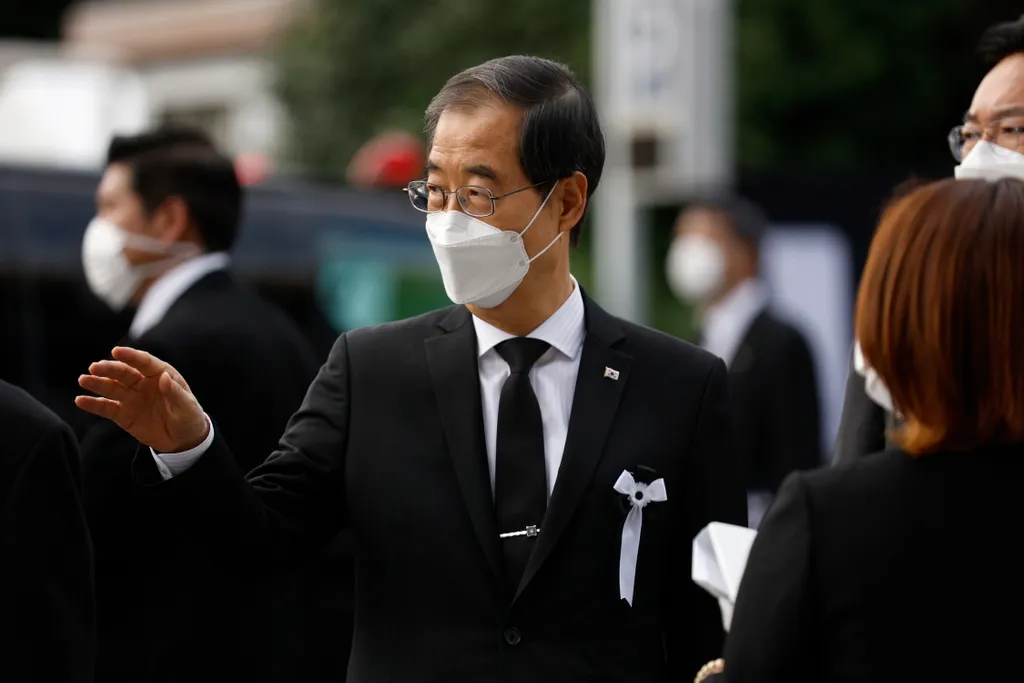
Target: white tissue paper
[{"x": 719, "y": 557}]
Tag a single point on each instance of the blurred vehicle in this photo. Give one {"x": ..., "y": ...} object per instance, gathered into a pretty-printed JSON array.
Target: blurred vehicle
[{"x": 333, "y": 259}]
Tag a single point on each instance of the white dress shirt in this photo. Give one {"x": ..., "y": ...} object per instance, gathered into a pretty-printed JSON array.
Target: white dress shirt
[
  {"x": 170, "y": 286},
  {"x": 553, "y": 378},
  {"x": 725, "y": 325}
]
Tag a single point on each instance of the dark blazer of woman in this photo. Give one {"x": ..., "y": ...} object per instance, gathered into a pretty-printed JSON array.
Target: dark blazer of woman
[
  {"x": 891, "y": 568},
  {"x": 906, "y": 565}
]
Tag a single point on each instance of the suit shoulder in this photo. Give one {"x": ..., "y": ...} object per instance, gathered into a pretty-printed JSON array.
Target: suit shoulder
[
  {"x": 647, "y": 342},
  {"x": 24, "y": 420},
  {"x": 21, "y": 408},
  {"x": 218, "y": 319},
  {"x": 783, "y": 331},
  {"x": 415, "y": 328},
  {"x": 852, "y": 483}
]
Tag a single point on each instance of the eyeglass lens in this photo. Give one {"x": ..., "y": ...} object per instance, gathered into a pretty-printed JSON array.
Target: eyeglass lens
[{"x": 430, "y": 198}]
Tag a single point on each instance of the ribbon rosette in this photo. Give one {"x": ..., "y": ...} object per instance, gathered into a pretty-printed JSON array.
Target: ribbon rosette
[{"x": 639, "y": 495}]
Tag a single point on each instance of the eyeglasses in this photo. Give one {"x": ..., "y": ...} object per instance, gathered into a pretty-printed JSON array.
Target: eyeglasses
[
  {"x": 475, "y": 200},
  {"x": 962, "y": 139}
]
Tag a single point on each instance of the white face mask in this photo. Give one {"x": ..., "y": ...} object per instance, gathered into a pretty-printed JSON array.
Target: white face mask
[
  {"x": 988, "y": 161},
  {"x": 480, "y": 264},
  {"x": 695, "y": 267},
  {"x": 874, "y": 387},
  {"x": 109, "y": 274}
]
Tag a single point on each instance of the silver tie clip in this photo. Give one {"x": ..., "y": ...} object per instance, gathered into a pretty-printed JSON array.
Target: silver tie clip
[{"x": 530, "y": 531}]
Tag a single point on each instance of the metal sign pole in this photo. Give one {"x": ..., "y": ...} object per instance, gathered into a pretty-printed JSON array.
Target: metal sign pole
[
  {"x": 662, "y": 75},
  {"x": 616, "y": 254}
]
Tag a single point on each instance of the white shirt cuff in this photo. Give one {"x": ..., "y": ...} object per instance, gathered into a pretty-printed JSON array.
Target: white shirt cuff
[{"x": 173, "y": 464}]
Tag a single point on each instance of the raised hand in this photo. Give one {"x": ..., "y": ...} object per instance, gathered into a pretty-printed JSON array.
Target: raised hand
[{"x": 147, "y": 398}]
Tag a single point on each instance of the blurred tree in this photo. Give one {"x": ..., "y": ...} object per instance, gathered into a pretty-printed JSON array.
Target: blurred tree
[
  {"x": 856, "y": 86},
  {"x": 863, "y": 87},
  {"x": 822, "y": 86},
  {"x": 350, "y": 70}
]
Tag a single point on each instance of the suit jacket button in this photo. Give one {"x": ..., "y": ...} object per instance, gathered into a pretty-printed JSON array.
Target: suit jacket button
[{"x": 513, "y": 636}]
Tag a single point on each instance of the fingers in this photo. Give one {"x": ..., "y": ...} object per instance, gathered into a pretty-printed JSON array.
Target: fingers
[
  {"x": 102, "y": 407},
  {"x": 107, "y": 388},
  {"x": 117, "y": 371},
  {"x": 176, "y": 398},
  {"x": 147, "y": 364}
]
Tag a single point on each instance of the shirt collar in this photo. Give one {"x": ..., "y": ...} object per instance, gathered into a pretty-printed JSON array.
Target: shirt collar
[
  {"x": 169, "y": 287},
  {"x": 564, "y": 330},
  {"x": 726, "y": 322}
]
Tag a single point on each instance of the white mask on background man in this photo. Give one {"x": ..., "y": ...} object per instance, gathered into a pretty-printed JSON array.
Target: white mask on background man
[
  {"x": 110, "y": 276},
  {"x": 480, "y": 264},
  {"x": 989, "y": 161},
  {"x": 695, "y": 267}
]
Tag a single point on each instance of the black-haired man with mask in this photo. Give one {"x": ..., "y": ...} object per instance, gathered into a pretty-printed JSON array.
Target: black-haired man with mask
[
  {"x": 989, "y": 144},
  {"x": 523, "y": 473},
  {"x": 168, "y": 213},
  {"x": 714, "y": 264}
]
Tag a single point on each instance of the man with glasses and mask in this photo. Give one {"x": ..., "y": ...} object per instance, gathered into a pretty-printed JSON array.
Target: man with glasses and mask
[
  {"x": 989, "y": 144},
  {"x": 523, "y": 473}
]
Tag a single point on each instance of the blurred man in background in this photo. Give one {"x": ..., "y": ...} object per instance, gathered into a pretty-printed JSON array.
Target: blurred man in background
[
  {"x": 713, "y": 263},
  {"x": 989, "y": 144},
  {"x": 168, "y": 214},
  {"x": 46, "y": 573}
]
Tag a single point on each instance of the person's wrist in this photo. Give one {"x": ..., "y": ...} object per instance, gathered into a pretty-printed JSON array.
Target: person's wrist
[
  {"x": 196, "y": 443},
  {"x": 192, "y": 443}
]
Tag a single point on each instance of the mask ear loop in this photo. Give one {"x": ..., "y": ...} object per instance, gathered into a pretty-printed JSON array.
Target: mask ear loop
[
  {"x": 533, "y": 220},
  {"x": 152, "y": 245},
  {"x": 541, "y": 252},
  {"x": 174, "y": 253},
  {"x": 539, "y": 209}
]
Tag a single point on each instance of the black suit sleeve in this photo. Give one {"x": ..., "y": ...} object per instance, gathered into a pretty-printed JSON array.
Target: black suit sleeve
[
  {"x": 794, "y": 413},
  {"x": 862, "y": 425},
  {"x": 712, "y": 492},
  {"x": 46, "y": 568},
  {"x": 294, "y": 500},
  {"x": 106, "y": 453},
  {"x": 772, "y": 632}
]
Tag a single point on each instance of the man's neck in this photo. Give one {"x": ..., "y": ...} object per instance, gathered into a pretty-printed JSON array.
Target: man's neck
[
  {"x": 527, "y": 308},
  {"x": 723, "y": 295},
  {"x": 141, "y": 292}
]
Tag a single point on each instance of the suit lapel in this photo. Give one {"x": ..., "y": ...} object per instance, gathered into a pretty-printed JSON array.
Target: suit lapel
[
  {"x": 743, "y": 358},
  {"x": 601, "y": 380},
  {"x": 452, "y": 358}
]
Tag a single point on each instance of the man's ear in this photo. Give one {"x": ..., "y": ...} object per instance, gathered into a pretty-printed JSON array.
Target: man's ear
[
  {"x": 572, "y": 196},
  {"x": 170, "y": 220}
]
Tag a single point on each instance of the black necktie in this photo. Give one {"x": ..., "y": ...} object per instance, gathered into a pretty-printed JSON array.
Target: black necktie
[{"x": 520, "y": 478}]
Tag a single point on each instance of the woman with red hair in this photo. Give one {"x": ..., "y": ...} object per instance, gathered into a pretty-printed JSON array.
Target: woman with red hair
[{"x": 903, "y": 566}]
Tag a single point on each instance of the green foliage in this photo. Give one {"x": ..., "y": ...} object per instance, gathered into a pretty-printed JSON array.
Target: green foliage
[
  {"x": 351, "y": 69},
  {"x": 843, "y": 87},
  {"x": 854, "y": 86},
  {"x": 821, "y": 86}
]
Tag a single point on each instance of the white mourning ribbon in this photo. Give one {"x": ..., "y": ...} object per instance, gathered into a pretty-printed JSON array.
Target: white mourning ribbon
[{"x": 639, "y": 495}]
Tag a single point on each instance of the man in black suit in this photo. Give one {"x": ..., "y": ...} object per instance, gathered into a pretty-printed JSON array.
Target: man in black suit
[
  {"x": 713, "y": 263},
  {"x": 168, "y": 211},
  {"x": 867, "y": 414},
  {"x": 46, "y": 574},
  {"x": 523, "y": 473}
]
